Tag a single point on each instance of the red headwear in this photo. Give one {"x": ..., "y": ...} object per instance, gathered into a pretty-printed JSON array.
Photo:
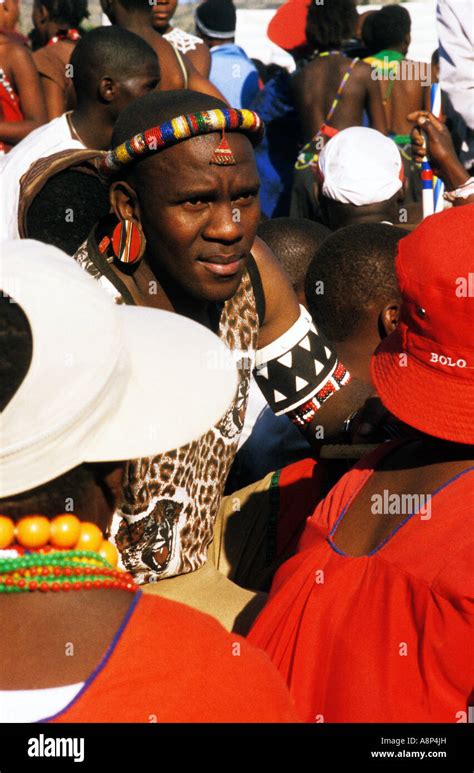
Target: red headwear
[
  {"x": 287, "y": 28},
  {"x": 424, "y": 371}
]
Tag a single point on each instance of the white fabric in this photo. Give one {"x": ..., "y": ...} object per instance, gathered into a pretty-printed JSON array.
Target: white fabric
[
  {"x": 360, "y": 166},
  {"x": 287, "y": 341},
  {"x": 53, "y": 137},
  {"x": 104, "y": 383},
  {"x": 182, "y": 40},
  {"x": 18, "y": 706},
  {"x": 456, "y": 39}
]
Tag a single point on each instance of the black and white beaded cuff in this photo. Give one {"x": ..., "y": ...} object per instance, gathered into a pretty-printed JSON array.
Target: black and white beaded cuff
[{"x": 298, "y": 366}]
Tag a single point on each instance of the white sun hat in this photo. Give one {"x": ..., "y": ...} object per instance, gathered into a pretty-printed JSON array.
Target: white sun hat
[
  {"x": 105, "y": 382},
  {"x": 360, "y": 166}
]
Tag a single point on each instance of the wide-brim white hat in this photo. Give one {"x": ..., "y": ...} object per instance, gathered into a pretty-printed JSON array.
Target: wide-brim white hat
[{"x": 105, "y": 382}]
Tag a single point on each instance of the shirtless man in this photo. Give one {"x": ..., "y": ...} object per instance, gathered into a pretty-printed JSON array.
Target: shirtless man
[
  {"x": 404, "y": 87},
  {"x": 195, "y": 49},
  {"x": 403, "y": 83},
  {"x": 316, "y": 85},
  {"x": 20, "y": 89},
  {"x": 177, "y": 71}
]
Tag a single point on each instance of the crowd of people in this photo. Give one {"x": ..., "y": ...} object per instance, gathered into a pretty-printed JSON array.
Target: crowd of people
[{"x": 237, "y": 358}]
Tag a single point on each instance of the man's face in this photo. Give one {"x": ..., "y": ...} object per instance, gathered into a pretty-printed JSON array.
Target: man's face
[
  {"x": 136, "y": 86},
  {"x": 200, "y": 219},
  {"x": 161, "y": 13}
]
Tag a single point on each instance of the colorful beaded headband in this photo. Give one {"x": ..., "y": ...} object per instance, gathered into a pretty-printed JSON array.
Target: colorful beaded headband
[{"x": 184, "y": 127}]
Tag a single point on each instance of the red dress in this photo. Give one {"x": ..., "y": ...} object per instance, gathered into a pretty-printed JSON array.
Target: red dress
[
  {"x": 170, "y": 663},
  {"x": 385, "y": 637}
]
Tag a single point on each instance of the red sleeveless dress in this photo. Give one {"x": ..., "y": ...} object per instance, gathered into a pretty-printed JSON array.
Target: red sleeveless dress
[{"x": 385, "y": 637}]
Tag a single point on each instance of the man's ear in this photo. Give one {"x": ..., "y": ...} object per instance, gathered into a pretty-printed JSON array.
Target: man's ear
[
  {"x": 124, "y": 201},
  {"x": 389, "y": 317},
  {"x": 43, "y": 14},
  {"x": 107, "y": 89}
]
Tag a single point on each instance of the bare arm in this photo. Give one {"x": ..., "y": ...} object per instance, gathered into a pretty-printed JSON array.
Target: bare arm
[
  {"x": 54, "y": 97},
  {"x": 281, "y": 312},
  {"x": 171, "y": 72},
  {"x": 440, "y": 150},
  {"x": 281, "y": 304},
  {"x": 26, "y": 82},
  {"x": 200, "y": 58},
  {"x": 198, "y": 83}
]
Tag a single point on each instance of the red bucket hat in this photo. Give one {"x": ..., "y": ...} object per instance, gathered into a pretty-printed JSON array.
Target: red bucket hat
[
  {"x": 424, "y": 371},
  {"x": 287, "y": 27}
]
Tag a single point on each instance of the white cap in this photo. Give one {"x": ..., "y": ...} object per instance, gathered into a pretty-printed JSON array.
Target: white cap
[
  {"x": 360, "y": 166},
  {"x": 105, "y": 382}
]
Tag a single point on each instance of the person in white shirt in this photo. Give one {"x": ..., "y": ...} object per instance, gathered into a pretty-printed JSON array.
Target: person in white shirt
[
  {"x": 456, "y": 60},
  {"x": 111, "y": 68}
]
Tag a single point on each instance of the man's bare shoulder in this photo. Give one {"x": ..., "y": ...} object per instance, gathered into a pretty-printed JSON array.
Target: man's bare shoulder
[{"x": 363, "y": 70}]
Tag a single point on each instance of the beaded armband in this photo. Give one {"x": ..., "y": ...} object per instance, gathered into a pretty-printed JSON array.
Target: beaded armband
[{"x": 298, "y": 372}]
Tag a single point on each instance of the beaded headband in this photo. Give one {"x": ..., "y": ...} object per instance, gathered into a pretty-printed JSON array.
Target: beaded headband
[{"x": 184, "y": 127}]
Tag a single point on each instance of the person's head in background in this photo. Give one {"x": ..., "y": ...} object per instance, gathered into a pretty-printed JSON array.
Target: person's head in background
[
  {"x": 294, "y": 241},
  {"x": 162, "y": 11},
  {"x": 287, "y": 29},
  {"x": 330, "y": 24},
  {"x": 9, "y": 14},
  {"x": 112, "y": 67},
  {"x": 56, "y": 17},
  {"x": 361, "y": 31},
  {"x": 388, "y": 29},
  {"x": 125, "y": 12},
  {"x": 435, "y": 66},
  {"x": 359, "y": 178},
  {"x": 216, "y": 21},
  {"x": 352, "y": 291}
]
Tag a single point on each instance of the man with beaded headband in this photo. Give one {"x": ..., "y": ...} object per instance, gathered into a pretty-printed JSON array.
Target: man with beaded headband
[{"x": 184, "y": 192}]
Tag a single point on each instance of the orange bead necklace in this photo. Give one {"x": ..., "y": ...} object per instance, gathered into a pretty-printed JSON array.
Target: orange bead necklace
[{"x": 62, "y": 554}]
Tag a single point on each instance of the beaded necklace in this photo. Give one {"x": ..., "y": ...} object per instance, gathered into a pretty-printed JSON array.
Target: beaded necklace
[
  {"x": 71, "y": 34},
  {"x": 36, "y": 555}
]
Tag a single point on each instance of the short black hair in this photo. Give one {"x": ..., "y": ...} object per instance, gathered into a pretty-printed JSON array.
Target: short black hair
[
  {"x": 294, "y": 241},
  {"x": 66, "y": 209},
  {"x": 111, "y": 51},
  {"x": 388, "y": 27},
  {"x": 329, "y": 24},
  {"x": 356, "y": 266},
  {"x": 70, "y": 12}
]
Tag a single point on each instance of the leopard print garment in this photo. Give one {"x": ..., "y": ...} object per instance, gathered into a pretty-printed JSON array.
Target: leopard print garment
[{"x": 170, "y": 501}]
